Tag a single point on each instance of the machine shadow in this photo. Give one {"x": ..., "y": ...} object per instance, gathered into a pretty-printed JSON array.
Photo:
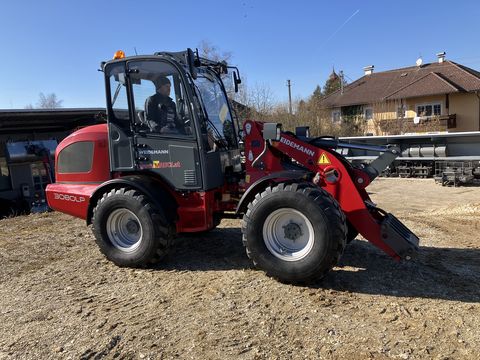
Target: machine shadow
[
  {"x": 219, "y": 249},
  {"x": 437, "y": 273}
]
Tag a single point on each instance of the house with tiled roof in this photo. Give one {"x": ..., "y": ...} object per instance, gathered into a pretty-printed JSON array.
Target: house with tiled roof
[{"x": 436, "y": 97}]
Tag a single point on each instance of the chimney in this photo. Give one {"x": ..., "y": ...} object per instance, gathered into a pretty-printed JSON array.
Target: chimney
[
  {"x": 368, "y": 69},
  {"x": 441, "y": 57}
]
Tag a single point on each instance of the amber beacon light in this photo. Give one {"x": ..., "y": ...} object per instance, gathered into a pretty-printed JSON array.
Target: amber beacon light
[{"x": 119, "y": 54}]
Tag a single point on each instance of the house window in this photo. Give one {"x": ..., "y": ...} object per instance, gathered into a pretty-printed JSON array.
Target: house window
[
  {"x": 368, "y": 113},
  {"x": 429, "y": 109},
  {"x": 336, "y": 115}
]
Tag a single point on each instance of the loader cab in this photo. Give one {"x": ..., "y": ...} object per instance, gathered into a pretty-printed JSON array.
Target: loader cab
[{"x": 170, "y": 121}]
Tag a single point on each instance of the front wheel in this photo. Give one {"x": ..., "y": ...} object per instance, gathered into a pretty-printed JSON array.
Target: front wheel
[
  {"x": 352, "y": 233},
  {"x": 295, "y": 233},
  {"x": 129, "y": 229}
]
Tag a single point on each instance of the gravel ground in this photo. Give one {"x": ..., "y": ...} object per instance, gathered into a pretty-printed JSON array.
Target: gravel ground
[{"x": 60, "y": 298}]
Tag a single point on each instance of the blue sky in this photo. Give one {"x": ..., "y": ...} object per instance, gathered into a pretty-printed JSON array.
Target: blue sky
[{"x": 54, "y": 46}]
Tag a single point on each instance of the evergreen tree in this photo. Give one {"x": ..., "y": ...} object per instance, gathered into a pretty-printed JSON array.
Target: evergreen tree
[
  {"x": 317, "y": 93},
  {"x": 333, "y": 83},
  {"x": 302, "y": 106}
]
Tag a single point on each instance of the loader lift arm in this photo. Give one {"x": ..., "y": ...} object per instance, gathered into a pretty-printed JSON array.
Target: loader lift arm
[
  {"x": 375, "y": 168},
  {"x": 333, "y": 173}
]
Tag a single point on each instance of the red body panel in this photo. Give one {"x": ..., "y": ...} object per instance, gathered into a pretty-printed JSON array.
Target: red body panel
[
  {"x": 72, "y": 192},
  {"x": 100, "y": 170},
  {"x": 72, "y": 199},
  {"x": 195, "y": 212}
]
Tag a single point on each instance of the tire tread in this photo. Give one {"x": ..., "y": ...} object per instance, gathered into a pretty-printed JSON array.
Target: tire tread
[
  {"x": 164, "y": 233},
  {"x": 335, "y": 220}
]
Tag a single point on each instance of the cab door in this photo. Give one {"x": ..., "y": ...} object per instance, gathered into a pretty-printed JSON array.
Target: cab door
[
  {"x": 164, "y": 143},
  {"x": 121, "y": 141},
  {"x": 222, "y": 151}
]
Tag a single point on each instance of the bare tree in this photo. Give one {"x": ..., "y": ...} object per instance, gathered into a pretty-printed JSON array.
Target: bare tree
[
  {"x": 261, "y": 99},
  {"x": 49, "y": 101},
  {"x": 207, "y": 50},
  {"x": 242, "y": 96}
]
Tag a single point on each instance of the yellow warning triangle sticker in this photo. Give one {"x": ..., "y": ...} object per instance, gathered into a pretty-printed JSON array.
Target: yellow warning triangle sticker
[{"x": 324, "y": 160}]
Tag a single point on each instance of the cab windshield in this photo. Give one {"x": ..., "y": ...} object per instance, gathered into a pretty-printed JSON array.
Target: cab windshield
[{"x": 219, "y": 118}]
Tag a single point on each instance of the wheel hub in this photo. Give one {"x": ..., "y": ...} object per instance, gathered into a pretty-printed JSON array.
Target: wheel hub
[
  {"x": 124, "y": 230},
  {"x": 132, "y": 226},
  {"x": 288, "y": 234},
  {"x": 292, "y": 231}
]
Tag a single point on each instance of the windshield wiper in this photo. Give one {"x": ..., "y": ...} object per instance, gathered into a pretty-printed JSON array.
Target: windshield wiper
[
  {"x": 117, "y": 92},
  {"x": 219, "y": 140}
]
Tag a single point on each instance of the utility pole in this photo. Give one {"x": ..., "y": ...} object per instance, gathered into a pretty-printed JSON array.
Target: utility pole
[
  {"x": 289, "y": 97},
  {"x": 342, "y": 82}
]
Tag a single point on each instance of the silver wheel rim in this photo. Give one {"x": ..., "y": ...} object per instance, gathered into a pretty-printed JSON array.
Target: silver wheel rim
[
  {"x": 288, "y": 234},
  {"x": 124, "y": 230}
]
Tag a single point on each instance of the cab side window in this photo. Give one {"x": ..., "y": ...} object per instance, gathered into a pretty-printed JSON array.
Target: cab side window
[
  {"x": 219, "y": 123},
  {"x": 159, "y": 98},
  {"x": 118, "y": 95}
]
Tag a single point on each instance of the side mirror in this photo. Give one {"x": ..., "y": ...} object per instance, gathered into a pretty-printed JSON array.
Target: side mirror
[
  {"x": 197, "y": 61},
  {"x": 191, "y": 63},
  {"x": 235, "y": 81}
]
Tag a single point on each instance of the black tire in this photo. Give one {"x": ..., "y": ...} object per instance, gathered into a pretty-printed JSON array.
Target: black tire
[
  {"x": 129, "y": 229},
  {"x": 352, "y": 233},
  {"x": 312, "y": 209}
]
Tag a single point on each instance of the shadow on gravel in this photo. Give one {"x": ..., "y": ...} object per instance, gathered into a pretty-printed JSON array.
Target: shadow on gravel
[
  {"x": 219, "y": 249},
  {"x": 437, "y": 273}
]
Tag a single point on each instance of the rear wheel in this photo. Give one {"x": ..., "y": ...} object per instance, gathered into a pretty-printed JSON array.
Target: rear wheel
[
  {"x": 129, "y": 229},
  {"x": 295, "y": 233}
]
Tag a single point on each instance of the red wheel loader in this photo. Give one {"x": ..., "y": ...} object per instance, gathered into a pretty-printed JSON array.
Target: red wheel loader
[{"x": 148, "y": 175}]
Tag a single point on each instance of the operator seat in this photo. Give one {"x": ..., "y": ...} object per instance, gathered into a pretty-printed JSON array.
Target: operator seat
[{"x": 141, "y": 121}]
